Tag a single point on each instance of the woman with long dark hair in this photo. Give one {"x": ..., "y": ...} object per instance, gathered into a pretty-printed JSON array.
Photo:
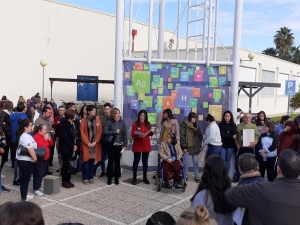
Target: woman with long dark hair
[
  {"x": 211, "y": 190},
  {"x": 261, "y": 119},
  {"x": 141, "y": 132},
  {"x": 191, "y": 139},
  {"x": 228, "y": 135},
  {"x": 83, "y": 112},
  {"x": 168, "y": 124},
  {"x": 212, "y": 137},
  {"x": 25, "y": 163},
  {"x": 267, "y": 149}
]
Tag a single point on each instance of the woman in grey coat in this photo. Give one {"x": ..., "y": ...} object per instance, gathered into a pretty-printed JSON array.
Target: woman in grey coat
[{"x": 115, "y": 127}]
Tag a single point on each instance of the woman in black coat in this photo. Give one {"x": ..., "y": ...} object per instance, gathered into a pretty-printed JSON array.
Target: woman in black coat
[{"x": 69, "y": 144}]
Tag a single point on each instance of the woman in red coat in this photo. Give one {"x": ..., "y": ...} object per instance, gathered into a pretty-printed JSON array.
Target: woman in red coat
[
  {"x": 141, "y": 132},
  {"x": 43, "y": 140}
]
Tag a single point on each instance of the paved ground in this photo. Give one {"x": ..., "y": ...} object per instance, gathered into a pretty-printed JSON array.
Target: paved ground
[{"x": 102, "y": 204}]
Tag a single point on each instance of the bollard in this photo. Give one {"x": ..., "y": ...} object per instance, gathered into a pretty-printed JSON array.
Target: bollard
[{"x": 51, "y": 185}]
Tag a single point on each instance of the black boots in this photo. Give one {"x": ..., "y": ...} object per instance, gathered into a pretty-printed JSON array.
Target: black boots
[
  {"x": 145, "y": 180},
  {"x": 167, "y": 185},
  {"x": 109, "y": 181},
  {"x": 133, "y": 180},
  {"x": 116, "y": 180}
]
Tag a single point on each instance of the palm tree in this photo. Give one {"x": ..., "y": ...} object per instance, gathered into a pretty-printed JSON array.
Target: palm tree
[
  {"x": 270, "y": 51},
  {"x": 294, "y": 52},
  {"x": 283, "y": 40}
]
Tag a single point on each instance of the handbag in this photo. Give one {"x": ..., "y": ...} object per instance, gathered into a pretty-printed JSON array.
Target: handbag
[
  {"x": 75, "y": 165},
  {"x": 108, "y": 140},
  {"x": 202, "y": 154},
  {"x": 40, "y": 152}
]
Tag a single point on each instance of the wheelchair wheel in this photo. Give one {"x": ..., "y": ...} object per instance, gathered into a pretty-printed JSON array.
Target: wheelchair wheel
[
  {"x": 159, "y": 185},
  {"x": 183, "y": 185},
  {"x": 156, "y": 178}
]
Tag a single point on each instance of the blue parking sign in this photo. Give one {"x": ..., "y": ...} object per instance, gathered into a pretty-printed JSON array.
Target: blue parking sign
[{"x": 290, "y": 87}]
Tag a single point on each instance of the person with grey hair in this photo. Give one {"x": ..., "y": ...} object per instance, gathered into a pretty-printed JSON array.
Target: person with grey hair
[
  {"x": 241, "y": 149},
  {"x": 272, "y": 202}
]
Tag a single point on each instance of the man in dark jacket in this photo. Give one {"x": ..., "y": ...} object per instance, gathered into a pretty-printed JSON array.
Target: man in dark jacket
[
  {"x": 272, "y": 202},
  {"x": 248, "y": 167}
]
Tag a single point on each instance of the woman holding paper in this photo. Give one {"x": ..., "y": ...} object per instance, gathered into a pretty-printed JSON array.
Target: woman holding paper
[{"x": 141, "y": 132}]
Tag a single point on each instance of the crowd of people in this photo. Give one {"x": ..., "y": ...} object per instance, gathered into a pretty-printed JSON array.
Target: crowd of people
[{"x": 273, "y": 150}]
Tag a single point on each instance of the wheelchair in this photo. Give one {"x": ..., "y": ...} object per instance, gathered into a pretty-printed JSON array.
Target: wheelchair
[{"x": 159, "y": 177}]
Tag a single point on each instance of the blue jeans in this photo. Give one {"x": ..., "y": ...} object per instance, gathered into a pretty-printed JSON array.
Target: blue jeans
[
  {"x": 213, "y": 150},
  {"x": 102, "y": 162},
  {"x": 226, "y": 154},
  {"x": 195, "y": 164},
  {"x": 87, "y": 169}
]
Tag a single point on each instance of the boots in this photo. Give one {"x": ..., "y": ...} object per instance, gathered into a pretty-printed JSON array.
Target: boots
[
  {"x": 167, "y": 185},
  {"x": 116, "y": 180},
  {"x": 109, "y": 181},
  {"x": 133, "y": 180},
  {"x": 145, "y": 180}
]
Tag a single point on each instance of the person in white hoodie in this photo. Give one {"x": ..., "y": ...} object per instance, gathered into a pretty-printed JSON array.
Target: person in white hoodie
[{"x": 212, "y": 137}]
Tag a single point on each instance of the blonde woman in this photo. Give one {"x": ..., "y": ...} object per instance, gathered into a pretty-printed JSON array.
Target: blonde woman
[{"x": 196, "y": 216}]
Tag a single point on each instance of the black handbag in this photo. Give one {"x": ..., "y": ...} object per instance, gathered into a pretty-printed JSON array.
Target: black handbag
[
  {"x": 40, "y": 152},
  {"x": 108, "y": 140},
  {"x": 75, "y": 165}
]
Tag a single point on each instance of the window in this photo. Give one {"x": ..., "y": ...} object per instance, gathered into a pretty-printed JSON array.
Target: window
[
  {"x": 281, "y": 79},
  {"x": 248, "y": 75},
  {"x": 267, "y": 77},
  {"x": 297, "y": 82}
]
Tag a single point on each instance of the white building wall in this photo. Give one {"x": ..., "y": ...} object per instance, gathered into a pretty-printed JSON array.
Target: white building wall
[{"x": 74, "y": 41}]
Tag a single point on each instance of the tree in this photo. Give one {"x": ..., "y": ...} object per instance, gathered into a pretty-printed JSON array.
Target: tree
[
  {"x": 295, "y": 101},
  {"x": 283, "y": 40},
  {"x": 294, "y": 53},
  {"x": 271, "y": 52}
]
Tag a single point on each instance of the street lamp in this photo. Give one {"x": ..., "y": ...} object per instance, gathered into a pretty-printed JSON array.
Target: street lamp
[
  {"x": 43, "y": 64},
  {"x": 251, "y": 56}
]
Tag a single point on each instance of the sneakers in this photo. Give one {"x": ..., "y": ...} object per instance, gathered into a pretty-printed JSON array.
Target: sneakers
[
  {"x": 3, "y": 176},
  {"x": 4, "y": 189},
  {"x": 66, "y": 184},
  {"x": 176, "y": 185},
  {"x": 86, "y": 182},
  {"x": 48, "y": 172},
  {"x": 92, "y": 181},
  {"x": 8, "y": 164},
  {"x": 102, "y": 175},
  {"x": 29, "y": 197},
  {"x": 167, "y": 185},
  {"x": 38, "y": 193},
  {"x": 145, "y": 180},
  {"x": 197, "y": 179}
]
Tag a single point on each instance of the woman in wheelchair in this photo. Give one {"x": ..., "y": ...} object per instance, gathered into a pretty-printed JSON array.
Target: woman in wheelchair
[{"x": 171, "y": 153}]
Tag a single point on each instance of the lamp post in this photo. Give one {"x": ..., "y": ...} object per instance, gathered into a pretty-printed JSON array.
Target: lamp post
[{"x": 43, "y": 64}]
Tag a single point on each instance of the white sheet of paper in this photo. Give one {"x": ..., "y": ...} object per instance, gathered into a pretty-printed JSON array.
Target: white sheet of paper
[
  {"x": 238, "y": 215},
  {"x": 141, "y": 133},
  {"x": 248, "y": 136}
]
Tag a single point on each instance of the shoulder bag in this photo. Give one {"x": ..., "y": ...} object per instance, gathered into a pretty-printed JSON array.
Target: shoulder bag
[
  {"x": 40, "y": 152},
  {"x": 75, "y": 165}
]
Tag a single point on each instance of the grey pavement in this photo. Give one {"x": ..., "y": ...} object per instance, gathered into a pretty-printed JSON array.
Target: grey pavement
[{"x": 102, "y": 204}]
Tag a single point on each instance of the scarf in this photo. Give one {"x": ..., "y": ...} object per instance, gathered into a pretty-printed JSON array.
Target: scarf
[
  {"x": 248, "y": 174},
  {"x": 92, "y": 130},
  {"x": 190, "y": 133}
]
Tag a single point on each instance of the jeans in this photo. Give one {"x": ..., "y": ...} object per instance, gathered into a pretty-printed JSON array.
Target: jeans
[
  {"x": 4, "y": 156},
  {"x": 195, "y": 164},
  {"x": 114, "y": 162},
  {"x": 39, "y": 169},
  {"x": 51, "y": 148},
  {"x": 13, "y": 150},
  {"x": 240, "y": 152},
  {"x": 87, "y": 169},
  {"x": 17, "y": 172},
  {"x": 136, "y": 160},
  {"x": 26, "y": 168},
  {"x": 213, "y": 150},
  {"x": 103, "y": 159},
  {"x": 226, "y": 155}
]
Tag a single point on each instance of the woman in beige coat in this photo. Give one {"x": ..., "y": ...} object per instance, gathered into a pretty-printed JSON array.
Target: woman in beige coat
[
  {"x": 171, "y": 153},
  {"x": 168, "y": 124}
]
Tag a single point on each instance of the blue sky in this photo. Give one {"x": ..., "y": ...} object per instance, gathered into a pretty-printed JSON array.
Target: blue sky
[{"x": 261, "y": 18}]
